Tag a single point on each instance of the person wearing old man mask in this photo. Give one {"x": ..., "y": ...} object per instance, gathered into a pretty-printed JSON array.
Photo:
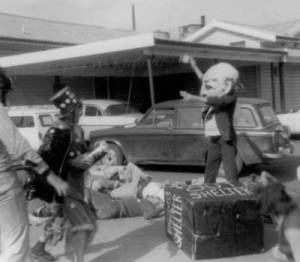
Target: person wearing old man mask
[{"x": 218, "y": 92}]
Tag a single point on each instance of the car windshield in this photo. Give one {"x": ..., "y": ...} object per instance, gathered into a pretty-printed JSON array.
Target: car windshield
[
  {"x": 120, "y": 109},
  {"x": 158, "y": 117},
  {"x": 268, "y": 114}
]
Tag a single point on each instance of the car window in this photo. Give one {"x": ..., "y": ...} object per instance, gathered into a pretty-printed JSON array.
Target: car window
[
  {"x": 46, "y": 120},
  {"x": 244, "y": 118},
  {"x": 119, "y": 109},
  {"x": 268, "y": 114},
  {"x": 92, "y": 111},
  {"x": 158, "y": 118},
  {"x": 23, "y": 121},
  {"x": 190, "y": 117}
]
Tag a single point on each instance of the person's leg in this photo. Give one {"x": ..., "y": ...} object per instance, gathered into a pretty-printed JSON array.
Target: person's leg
[
  {"x": 105, "y": 207},
  {"x": 213, "y": 161},
  {"x": 14, "y": 227},
  {"x": 39, "y": 249},
  {"x": 228, "y": 150}
]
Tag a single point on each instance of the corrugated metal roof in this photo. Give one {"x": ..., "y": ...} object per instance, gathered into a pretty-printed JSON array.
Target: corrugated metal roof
[
  {"x": 287, "y": 28},
  {"x": 20, "y": 27},
  {"x": 128, "y": 55}
]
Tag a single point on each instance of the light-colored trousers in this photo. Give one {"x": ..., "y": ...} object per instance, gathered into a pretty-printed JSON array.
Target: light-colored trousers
[{"x": 14, "y": 226}]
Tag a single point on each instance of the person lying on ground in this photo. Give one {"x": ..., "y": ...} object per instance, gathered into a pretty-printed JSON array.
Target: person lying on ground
[
  {"x": 285, "y": 212},
  {"x": 149, "y": 203},
  {"x": 117, "y": 181}
]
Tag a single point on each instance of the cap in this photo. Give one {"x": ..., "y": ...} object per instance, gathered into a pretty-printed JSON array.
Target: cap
[{"x": 66, "y": 101}]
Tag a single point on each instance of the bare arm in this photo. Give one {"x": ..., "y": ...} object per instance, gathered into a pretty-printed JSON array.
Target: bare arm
[{"x": 195, "y": 67}]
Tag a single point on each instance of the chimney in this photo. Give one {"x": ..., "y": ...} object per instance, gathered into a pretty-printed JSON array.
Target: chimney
[
  {"x": 186, "y": 30},
  {"x": 202, "y": 21}
]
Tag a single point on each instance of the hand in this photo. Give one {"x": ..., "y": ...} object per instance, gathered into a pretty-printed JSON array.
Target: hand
[
  {"x": 187, "y": 59},
  {"x": 185, "y": 95},
  {"x": 60, "y": 186}
]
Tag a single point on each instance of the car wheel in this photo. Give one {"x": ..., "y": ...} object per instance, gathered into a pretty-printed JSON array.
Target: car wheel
[
  {"x": 113, "y": 156},
  {"x": 239, "y": 166}
]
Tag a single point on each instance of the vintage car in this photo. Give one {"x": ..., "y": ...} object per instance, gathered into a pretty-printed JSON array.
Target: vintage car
[
  {"x": 33, "y": 121},
  {"x": 172, "y": 132},
  {"x": 106, "y": 113}
]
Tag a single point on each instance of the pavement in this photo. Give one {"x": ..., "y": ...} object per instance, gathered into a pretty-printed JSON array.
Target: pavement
[{"x": 136, "y": 239}]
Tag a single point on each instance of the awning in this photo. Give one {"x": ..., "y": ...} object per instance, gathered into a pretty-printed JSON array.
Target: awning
[{"x": 127, "y": 56}]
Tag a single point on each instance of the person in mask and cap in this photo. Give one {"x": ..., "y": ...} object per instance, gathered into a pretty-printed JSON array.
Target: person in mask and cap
[
  {"x": 218, "y": 92},
  {"x": 65, "y": 151}
]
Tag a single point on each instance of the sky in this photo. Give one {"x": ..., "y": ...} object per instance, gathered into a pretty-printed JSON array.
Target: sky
[{"x": 151, "y": 15}]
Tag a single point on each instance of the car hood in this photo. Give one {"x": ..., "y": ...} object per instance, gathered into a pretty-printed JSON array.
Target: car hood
[{"x": 117, "y": 130}]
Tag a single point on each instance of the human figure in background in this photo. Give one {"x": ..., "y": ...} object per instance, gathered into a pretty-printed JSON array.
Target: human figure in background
[
  {"x": 64, "y": 149},
  {"x": 218, "y": 92},
  {"x": 14, "y": 149}
]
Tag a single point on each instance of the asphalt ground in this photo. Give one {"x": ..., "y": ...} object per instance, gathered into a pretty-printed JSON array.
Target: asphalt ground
[{"x": 135, "y": 239}]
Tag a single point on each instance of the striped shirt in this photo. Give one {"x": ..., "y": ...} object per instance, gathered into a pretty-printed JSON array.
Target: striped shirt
[{"x": 14, "y": 149}]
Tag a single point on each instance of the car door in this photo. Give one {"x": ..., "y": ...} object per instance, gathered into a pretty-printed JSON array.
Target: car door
[
  {"x": 153, "y": 138},
  {"x": 190, "y": 144}
]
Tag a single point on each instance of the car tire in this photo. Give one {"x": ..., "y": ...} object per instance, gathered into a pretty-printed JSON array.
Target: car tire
[
  {"x": 113, "y": 156},
  {"x": 239, "y": 166}
]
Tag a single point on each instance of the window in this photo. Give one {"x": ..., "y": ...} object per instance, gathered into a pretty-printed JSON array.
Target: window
[
  {"x": 190, "y": 117},
  {"x": 23, "y": 121},
  {"x": 244, "y": 118},
  {"x": 268, "y": 114},
  {"x": 120, "y": 109},
  {"x": 162, "y": 118},
  {"x": 46, "y": 120},
  {"x": 92, "y": 111}
]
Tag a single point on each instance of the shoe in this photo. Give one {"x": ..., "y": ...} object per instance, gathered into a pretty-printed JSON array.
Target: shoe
[
  {"x": 43, "y": 256},
  {"x": 277, "y": 254}
]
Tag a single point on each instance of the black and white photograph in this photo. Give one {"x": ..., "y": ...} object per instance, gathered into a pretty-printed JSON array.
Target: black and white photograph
[{"x": 149, "y": 130}]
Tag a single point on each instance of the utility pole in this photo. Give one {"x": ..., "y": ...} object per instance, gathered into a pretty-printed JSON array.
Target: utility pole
[{"x": 133, "y": 17}]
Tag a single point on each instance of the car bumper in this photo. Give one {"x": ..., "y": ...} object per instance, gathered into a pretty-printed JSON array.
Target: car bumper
[{"x": 282, "y": 151}]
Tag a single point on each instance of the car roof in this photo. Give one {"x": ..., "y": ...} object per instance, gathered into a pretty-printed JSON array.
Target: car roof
[
  {"x": 102, "y": 103},
  {"x": 193, "y": 102},
  {"x": 32, "y": 109}
]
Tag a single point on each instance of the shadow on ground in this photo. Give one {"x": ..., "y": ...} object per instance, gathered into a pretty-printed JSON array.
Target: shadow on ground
[
  {"x": 133, "y": 245},
  {"x": 284, "y": 169}
]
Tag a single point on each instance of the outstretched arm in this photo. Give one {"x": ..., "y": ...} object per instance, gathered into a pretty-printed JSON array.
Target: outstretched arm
[{"x": 187, "y": 96}]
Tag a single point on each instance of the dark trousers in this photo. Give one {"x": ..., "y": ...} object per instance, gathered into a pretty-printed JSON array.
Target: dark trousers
[{"x": 218, "y": 151}]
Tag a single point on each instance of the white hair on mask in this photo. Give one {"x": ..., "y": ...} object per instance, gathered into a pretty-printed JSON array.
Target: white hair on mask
[{"x": 215, "y": 80}]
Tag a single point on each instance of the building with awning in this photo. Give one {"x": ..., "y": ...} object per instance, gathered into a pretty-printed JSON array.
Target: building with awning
[{"x": 146, "y": 68}]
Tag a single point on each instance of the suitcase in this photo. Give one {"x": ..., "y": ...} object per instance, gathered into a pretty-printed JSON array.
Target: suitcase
[{"x": 213, "y": 221}]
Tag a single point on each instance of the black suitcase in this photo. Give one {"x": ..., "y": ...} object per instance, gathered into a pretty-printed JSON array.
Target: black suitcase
[{"x": 213, "y": 222}]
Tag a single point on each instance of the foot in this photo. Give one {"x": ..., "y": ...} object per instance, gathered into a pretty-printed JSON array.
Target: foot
[
  {"x": 43, "y": 256},
  {"x": 277, "y": 254}
]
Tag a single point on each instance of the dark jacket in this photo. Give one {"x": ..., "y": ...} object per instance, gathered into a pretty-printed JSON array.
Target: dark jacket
[{"x": 224, "y": 107}]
